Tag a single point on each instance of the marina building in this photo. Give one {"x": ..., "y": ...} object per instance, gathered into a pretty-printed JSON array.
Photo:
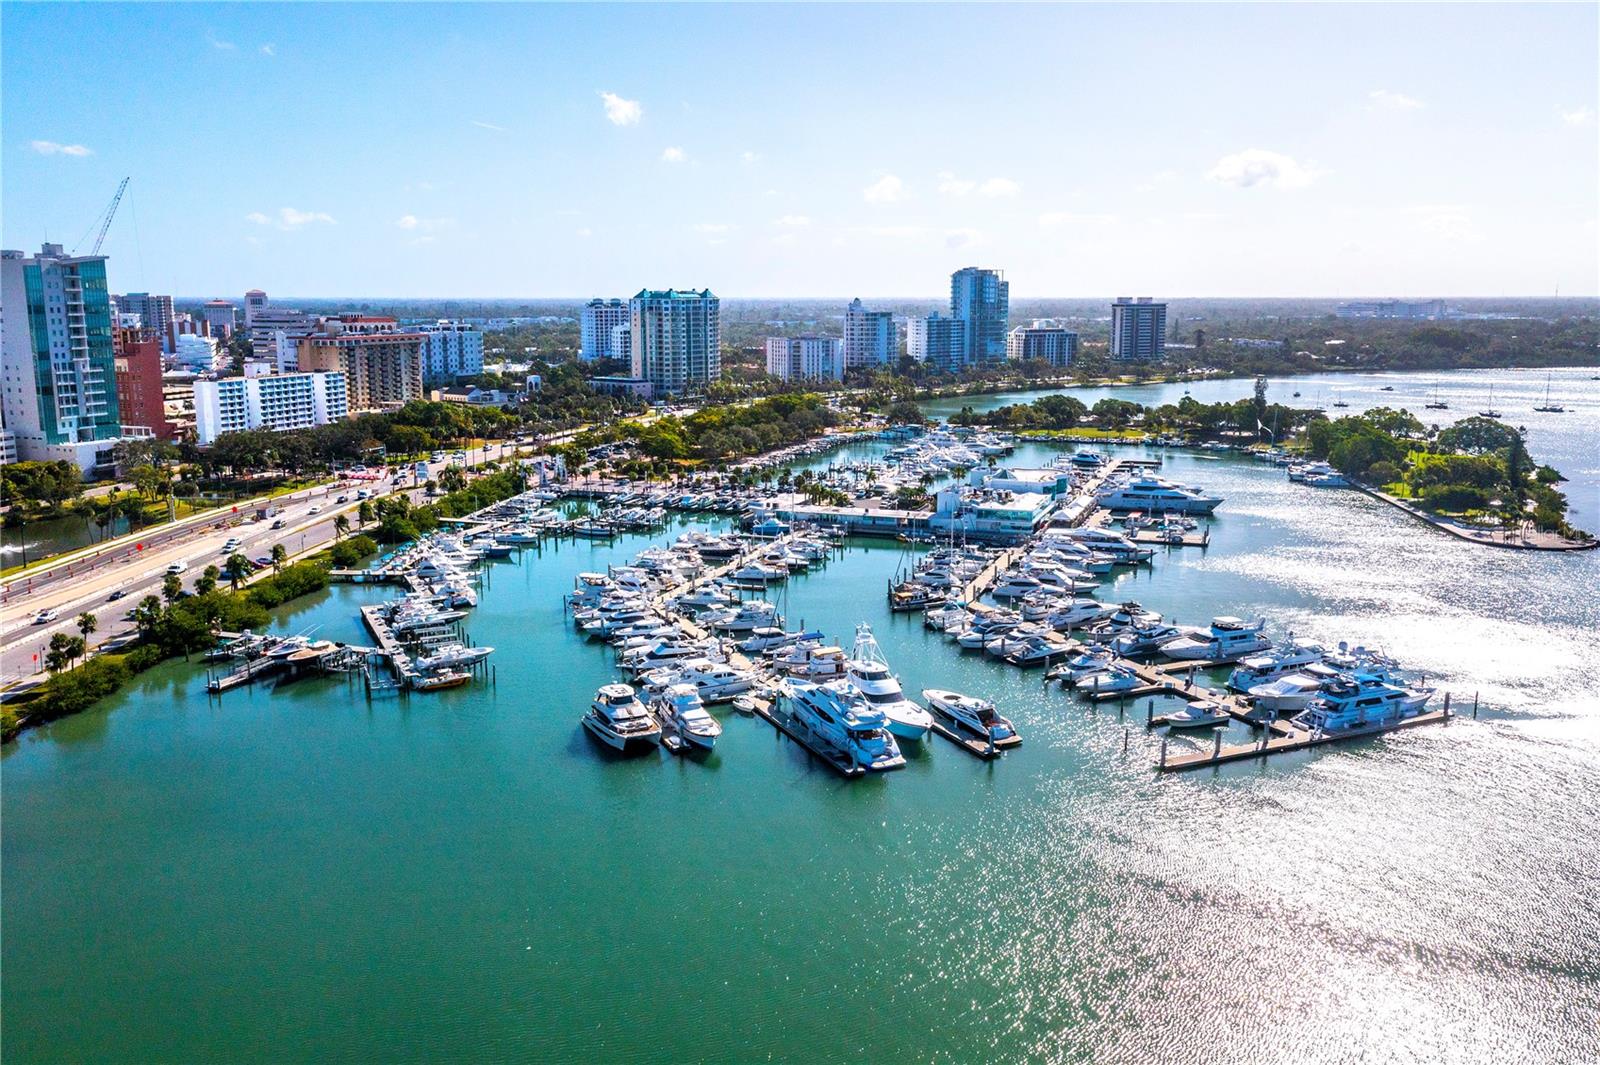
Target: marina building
[
  {"x": 939, "y": 342},
  {"x": 58, "y": 371},
  {"x": 598, "y": 329},
  {"x": 278, "y": 402},
  {"x": 382, "y": 368},
  {"x": 981, "y": 300},
  {"x": 676, "y": 338},
  {"x": 807, "y": 356},
  {"x": 1051, "y": 344},
  {"x": 1138, "y": 329},
  {"x": 870, "y": 337}
]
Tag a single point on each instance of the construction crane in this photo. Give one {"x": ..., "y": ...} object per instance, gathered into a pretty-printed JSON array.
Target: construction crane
[{"x": 105, "y": 219}]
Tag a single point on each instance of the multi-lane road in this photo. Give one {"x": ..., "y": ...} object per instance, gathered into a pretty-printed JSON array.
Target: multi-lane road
[{"x": 302, "y": 522}]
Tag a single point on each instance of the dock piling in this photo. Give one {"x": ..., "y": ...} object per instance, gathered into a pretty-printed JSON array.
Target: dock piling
[
  {"x": 1163, "y": 752},
  {"x": 1216, "y": 744},
  {"x": 1474, "y": 706}
]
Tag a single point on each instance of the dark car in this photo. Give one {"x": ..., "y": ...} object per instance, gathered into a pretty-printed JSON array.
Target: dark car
[{"x": 118, "y": 594}]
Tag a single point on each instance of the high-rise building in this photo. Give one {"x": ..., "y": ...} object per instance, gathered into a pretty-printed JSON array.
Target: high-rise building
[
  {"x": 140, "y": 401},
  {"x": 870, "y": 338},
  {"x": 1053, "y": 344},
  {"x": 597, "y": 329},
  {"x": 451, "y": 350},
  {"x": 220, "y": 317},
  {"x": 199, "y": 354},
  {"x": 155, "y": 314},
  {"x": 981, "y": 300},
  {"x": 382, "y": 370},
  {"x": 59, "y": 366},
  {"x": 808, "y": 356},
  {"x": 277, "y": 402},
  {"x": 275, "y": 332},
  {"x": 622, "y": 342},
  {"x": 677, "y": 339},
  {"x": 255, "y": 301},
  {"x": 1138, "y": 328},
  {"x": 941, "y": 343}
]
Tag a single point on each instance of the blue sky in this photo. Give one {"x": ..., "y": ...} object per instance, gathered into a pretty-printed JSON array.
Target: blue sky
[{"x": 520, "y": 151}]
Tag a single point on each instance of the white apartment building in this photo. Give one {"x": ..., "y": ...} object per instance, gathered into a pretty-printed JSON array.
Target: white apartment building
[
  {"x": 452, "y": 350},
  {"x": 597, "y": 329},
  {"x": 278, "y": 402},
  {"x": 870, "y": 337},
  {"x": 276, "y": 331},
  {"x": 802, "y": 357},
  {"x": 1052, "y": 344},
  {"x": 199, "y": 354},
  {"x": 677, "y": 339},
  {"x": 939, "y": 342},
  {"x": 255, "y": 301}
]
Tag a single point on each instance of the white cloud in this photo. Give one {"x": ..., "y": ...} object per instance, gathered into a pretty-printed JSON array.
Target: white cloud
[
  {"x": 621, "y": 112},
  {"x": 887, "y": 189},
  {"x": 289, "y": 218},
  {"x": 749, "y": 157},
  {"x": 712, "y": 227},
  {"x": 55, "y": 148},
  {"x": 996, "y": 187},
  {"x": 794, "y": 221},
  {"x": 1394, "y": 101},
  {"x": 950, "y": 185},
  {"x": 960, "y": 238},
  {"x": 1257, "y": 166},
  {"x": 219, "y": 44},
  {"x": 488, "y": 125},
  {"x": 1580, "y": 117},
  {"x": 897, "y": 232},
  {"x": 412, "y": 222},
  {"x": 585, "y": 232},
  {"x": 1068, "y": 218},
  {"x": 269, "y": 50},
  {"x": 673, "y": 155},
  {"x": 1447, "y": 221}
]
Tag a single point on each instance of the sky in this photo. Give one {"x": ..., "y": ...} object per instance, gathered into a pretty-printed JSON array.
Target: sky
[{"x": 824, "y": 150}]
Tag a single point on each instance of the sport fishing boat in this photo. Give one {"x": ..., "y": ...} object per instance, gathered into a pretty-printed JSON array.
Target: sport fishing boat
[
  {"x": 618, "y": 719},
  {"x": 868, "y": 673},
  {"x": 1200, "y": 714},
  {"x": 679, "y": 708},
  {"x": 976, "y": 715},
  {"x": 453, "y": 656},
  {"x": 439, "y": 680},
  {"x": 838, "y": 714},
  {"x": 1228, "y": 638},
  {"x": 1289, "y": 657}
]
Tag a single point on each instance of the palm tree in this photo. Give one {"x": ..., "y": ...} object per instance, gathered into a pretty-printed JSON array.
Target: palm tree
[
  {"x": 87, "y": 623},
  {"x": 147, "y": 615},
  {"x": 364, "y": 512},
  {"x": 237, "y": 568},
  {"x": 341, "y": 526},
  {"x": 171, "y": 587},
  {"x": 59, "y": 655},
  {"x": 280, "y": 555}
]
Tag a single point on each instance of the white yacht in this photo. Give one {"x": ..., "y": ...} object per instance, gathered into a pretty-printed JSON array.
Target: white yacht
[
  {"x": 1084, "y": 664},
  {"x": 971, "y": 713},
  {"x": 1361, "y": 702},
  {"x": 663, "y": 654},
  {"x": 1142, "y": 638},
  {"x": 618, "y": 719},
  {"x": 707, "y": 598},
  {"x": 1156, "y": 494},
  {"x": 812, "y": 662},
  {"x": 869, "y": 674},
  {"x": 749, "y": 616},
  {"x": 453, "y": 656},
  {"x": 1227, "y": 638},
  {"x": 714, "y": 681},
  {"x": 1199, "y": 714},
  {"x": 1115, "y": 679},
  {"x": 1017, "y": 584},
  {"x": 680, "y": 709},
  {"x": 838, "y": 714},
  {"x": 1075, "y": 614},
  {"x": 1289, "y": 657},
  {"x": 1287, "y": 694},
  {"x": 764, "y": 638}
]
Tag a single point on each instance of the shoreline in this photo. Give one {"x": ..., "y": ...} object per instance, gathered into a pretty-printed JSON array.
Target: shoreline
[{"x": 1487, "y": 537}]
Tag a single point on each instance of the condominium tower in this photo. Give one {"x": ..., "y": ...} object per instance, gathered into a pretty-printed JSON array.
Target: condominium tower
[
  {"x": 869, "y": 337},
  {"x": 676, "y": 339},
  {"x": 981, "y": 300},
  {"x": 808, "y": 356},
  {"x": 597, "y": 329},
  {"x": 277, "y": 402},
  {"x": 1138, "y": 328},
  {"x": 382, "y": 369}
]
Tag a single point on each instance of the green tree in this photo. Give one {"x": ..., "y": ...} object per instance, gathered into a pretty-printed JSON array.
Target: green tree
[
  {"x": 452, "y": 479},
  {"x": 364, "y": 515},
  {"x": 87, "y": 624},
  {"x": 147, "y": 617},
  {"x": 207, "y": 581},
  {"x": 280, "y": 555},
  {"x": 58, "y": 655},
  {"x": 171, "y": 587},
  {"x": 236, "y": 569},
  {"x": 341, "y": 526}
]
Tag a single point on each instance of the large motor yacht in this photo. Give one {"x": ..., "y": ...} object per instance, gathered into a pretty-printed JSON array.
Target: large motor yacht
[
  {"x": 1362, "y": 701},
  {"x": 838, "y": 714},
  {"x": 680, "y": 709},
  {"x": 619, "y": 720},
  {"x": 1287, "y": 658},
  {"x": 1228, "y": 638},
  {"x": 1158, "y": 495},
  {"x": 714, "y": 681},
  {"x": 971, "y": 713},
  {"x": 869, "y": 674}
]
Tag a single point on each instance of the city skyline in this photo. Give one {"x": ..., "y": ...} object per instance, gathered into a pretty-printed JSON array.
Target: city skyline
[{"x": 556, "y": 153}]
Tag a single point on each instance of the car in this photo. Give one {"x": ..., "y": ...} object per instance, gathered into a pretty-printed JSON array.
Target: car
[
  {"x": 45, "y": 617},
  {"x": 262, "y": 561},
  {"x": 315, "y": 510},
  {"x": 364, "y": 494},
  {"x": 178, "y": 566},
  {"x": 278, "y": 524},
  {"x": 342, "y": 499},
  {"x": 231, "y": 546},
  {"x": 118, "y": 594}
]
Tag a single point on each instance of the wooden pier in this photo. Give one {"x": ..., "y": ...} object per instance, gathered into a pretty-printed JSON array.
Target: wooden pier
[
  {"x": 845, "y": 767},
  {"x": 1287, "y": 740},
  {"x": 971, "y": 744}
]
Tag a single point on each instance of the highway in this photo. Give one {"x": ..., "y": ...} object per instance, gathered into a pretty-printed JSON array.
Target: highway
[{"x": 307, "y": 525}]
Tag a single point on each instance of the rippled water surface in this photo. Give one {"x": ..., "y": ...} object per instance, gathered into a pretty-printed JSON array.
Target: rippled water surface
[{"x": 304, "y": 875}]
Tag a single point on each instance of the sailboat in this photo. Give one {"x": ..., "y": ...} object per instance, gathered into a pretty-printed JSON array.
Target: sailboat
[
  {"x": 1549, "y": 407},
  {"x": 1438, "y": 404},
  {"x": 1489, "y": 412}
]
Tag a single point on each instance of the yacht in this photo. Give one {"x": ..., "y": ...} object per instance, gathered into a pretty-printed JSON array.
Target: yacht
[
  {"x": 662, "y": 655},
  {"x": 708, "y": 598},
  {"x": 453, "y": 656},
  {"x": 1115, "y": 679},
  {"x": 1437, "y": 403},
  {"x": 971, "y": 713},
  {"x": 1036, "y": 649},
  {"x": 714, "y": 681},
  {"x": 1288, "y": 694},
  {"x": 1154, "y": 493},
  {"x": 619, "y": 720},
  {"x": 679, "y": 708},
  {"x": 1143, "y": 638},
  {"x": 1228, "y": 638},
  {"x": 1287, "y": 658},
  {"x": 1199, "y": 714},
  {"x": 1549, "y": 407},
  {"x": 1076, "y": 614},
  {"x": 760, "y": 573},
  {"x": 1083, "y": 664},
  {"x": 837, "y": 713},
  {"x": 757, "y": 613},
  {"x": 1087, "y": 460},
  {"x": 1490, "y": 411},
  {"x": 869, "y": 674},
  {"x": 812, "y": 662},
  {"x": 764, "y": 638},
  {"x": 1360, "y": 702},
  {"x": 1016, "y": 585}
]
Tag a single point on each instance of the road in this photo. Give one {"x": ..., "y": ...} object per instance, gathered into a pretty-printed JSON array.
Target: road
[{"x": 308, "y": 525}]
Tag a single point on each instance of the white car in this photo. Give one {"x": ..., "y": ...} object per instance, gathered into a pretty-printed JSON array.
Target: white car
[
  {"x": 178, "y": 566},
  {"x": 315, "y": 510},
  {"x": 231, "y": 546},
  {"x": 45, "y": 617}
]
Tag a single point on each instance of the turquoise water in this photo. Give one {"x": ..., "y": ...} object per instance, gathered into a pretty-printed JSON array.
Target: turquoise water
[{"x": 305, "y": 875}]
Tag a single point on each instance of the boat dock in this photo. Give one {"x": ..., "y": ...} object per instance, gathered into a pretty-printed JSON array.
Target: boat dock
[
  {"x": 845, "y": 767},
  {"x": 1287, "y": 740}
]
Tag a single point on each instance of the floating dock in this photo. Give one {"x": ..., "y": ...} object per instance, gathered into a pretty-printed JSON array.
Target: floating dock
[
  {"x": 845, "y": 767},
  {"x": 1296, "y": 739}
]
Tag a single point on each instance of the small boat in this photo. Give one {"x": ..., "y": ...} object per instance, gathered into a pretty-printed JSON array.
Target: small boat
[
  {"x": 438, "y": 681},
  {"x": 1387, "y": 388},
  {"x": 1547, "y": 406},
  {"x": 1200, "y": 714},
  {"x": 1437, "y": 404},
  {"x": 1490, "y": 411},
  {"x": 971, "y": 713},
  {"x": 679, "y": 708}
]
